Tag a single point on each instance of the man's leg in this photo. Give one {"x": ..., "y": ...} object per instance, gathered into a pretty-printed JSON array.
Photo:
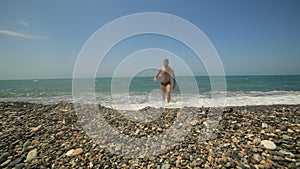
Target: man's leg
[
  {"x": 168, "y": 88},
  {"x": 163, "y": 92}
]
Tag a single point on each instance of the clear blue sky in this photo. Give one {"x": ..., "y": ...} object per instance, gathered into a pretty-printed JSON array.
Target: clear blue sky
[{"x": 42, "y": 39}]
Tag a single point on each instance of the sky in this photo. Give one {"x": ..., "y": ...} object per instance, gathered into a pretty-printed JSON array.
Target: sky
[{"x": 43, "y": 39}]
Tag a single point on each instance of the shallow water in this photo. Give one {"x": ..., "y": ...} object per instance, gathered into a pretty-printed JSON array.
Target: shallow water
[{"x": 139, "y": 92}]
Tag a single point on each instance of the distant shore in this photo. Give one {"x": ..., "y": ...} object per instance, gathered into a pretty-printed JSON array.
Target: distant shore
[{"x": 35, "y": 135}]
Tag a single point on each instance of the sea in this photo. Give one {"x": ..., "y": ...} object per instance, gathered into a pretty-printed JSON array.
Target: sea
[{"x": 140, "y": 92}]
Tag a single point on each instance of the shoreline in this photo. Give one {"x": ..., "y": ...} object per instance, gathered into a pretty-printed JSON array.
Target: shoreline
[{"x": 51, "y": 136}]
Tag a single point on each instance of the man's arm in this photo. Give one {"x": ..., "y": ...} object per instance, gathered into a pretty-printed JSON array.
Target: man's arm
[{"x": 156, "y": 75}]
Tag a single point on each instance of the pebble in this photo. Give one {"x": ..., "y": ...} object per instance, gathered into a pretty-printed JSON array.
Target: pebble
[
  {"x": 256, "y": 158},
  {"x": 165, "y": 166},
  {"x": 35, "y": 142},
  {"x": 151, "y": 158},
  {"x": 35, "y": 129},
  {"x": 284, "y": 152},
  {"x": 194, "y": 163},
  {"x": 210, "y": 159},
  {"x": 4, "y": 156},
  {"x": 245, "y": 137},
  {"x": 5, "y": 163},
  {"x": 69, "y": 153},
  {"x": 285, "y": 137},
  {"x": 228, "y": 164},
  {"x": 256, "y": 141},
  {"x": 16, "y": 161},
  {"x": 20, "y": 166},
  {"x": 268, "y": 144},
  {"x": 264, "y": 125},
  {"x": 75, "y": 152},
  {"x": 187, "y": 157},
  {"x": 26, "y": 144},
  {"x": 31, "y": 155},
  {"x": 59, "y": 153}
]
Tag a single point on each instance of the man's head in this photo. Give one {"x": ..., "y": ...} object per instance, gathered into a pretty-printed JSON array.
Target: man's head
[{"x": 166, "y": 62}]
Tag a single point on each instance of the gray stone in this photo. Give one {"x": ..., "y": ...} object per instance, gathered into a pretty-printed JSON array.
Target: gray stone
[
  {"x": 151, "y": 158},
  {"x": 20, "y": 166},
  {"x": 220, "y": 161},
  {"x": 285, "y": 137},
  {"x": 187, "y": 157},
  {"x": 284, "y": 152},
  {"x": 59, "y": 153},
  {"x": 16, "y": 161},
  {"x": 26, "y": 144},
  {"x": 3, "y": 157},
  {"x": 165, "y": 166}
]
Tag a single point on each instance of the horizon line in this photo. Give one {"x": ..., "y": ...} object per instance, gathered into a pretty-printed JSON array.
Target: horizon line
[{"x": 53, "y": 78}]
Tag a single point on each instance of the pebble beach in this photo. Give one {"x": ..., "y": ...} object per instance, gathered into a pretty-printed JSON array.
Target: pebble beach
[{"x": 34, "y": 135}]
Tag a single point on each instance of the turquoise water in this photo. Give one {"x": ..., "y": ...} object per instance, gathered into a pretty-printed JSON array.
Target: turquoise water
[{"x": 241, "y": 90}]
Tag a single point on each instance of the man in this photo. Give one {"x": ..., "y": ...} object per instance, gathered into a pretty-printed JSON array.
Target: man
[{"x": 166, "y": 73}]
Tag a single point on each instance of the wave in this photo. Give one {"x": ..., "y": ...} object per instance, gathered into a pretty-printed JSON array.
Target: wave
[
  {"x": 233, "y": 98},
  {"x": 136, "y": 101}
]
